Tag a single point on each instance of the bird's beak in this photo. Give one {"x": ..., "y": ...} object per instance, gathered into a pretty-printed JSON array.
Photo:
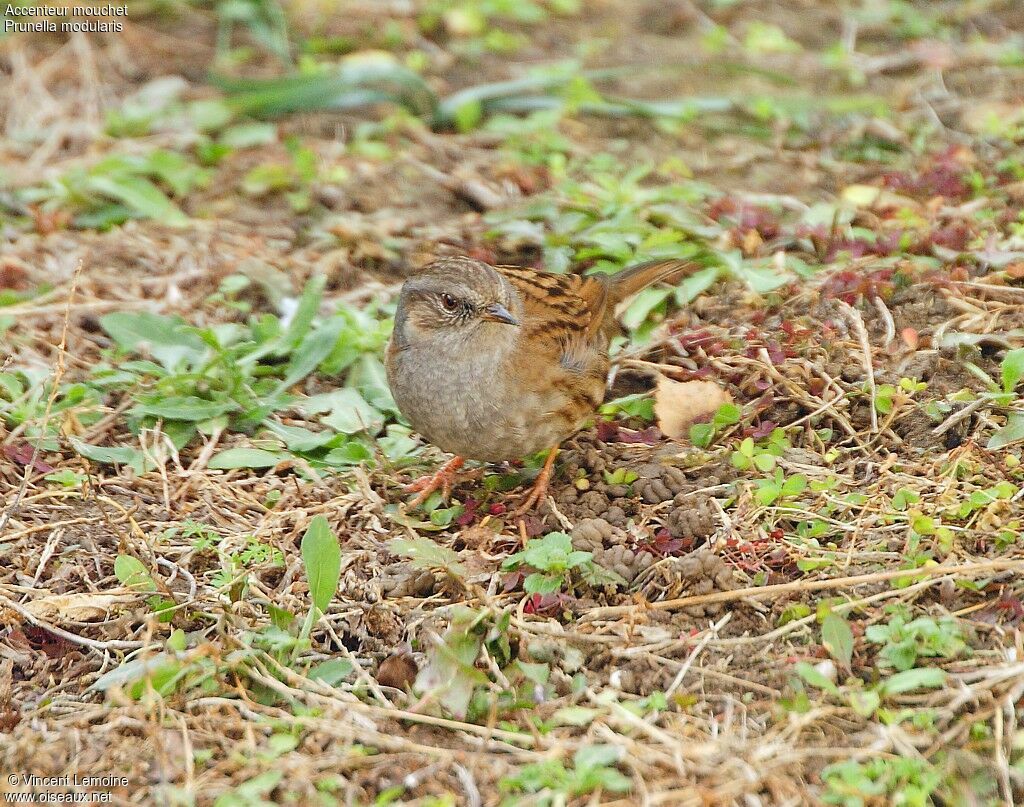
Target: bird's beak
[{"x": 498, "y": 313}]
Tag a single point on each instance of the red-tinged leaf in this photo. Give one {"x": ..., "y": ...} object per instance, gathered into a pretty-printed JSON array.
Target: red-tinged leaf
[
  {"x": 511, "y": 581},
  {"x": 910, "y": 337},
  {"x": 469, "y": 513},
  {"x": 745, "y": 216},
  {"x": 954, "y": 236},
  {"x": 649, "y": 436},
  {"x": 607, "y": 431},
  {"x": 48, "y": 643},
  {"x": 547, "y": 604},
  {"x": 21, "y": 453},
  {"x": 763, "y": 429},
  {"x": 1011, "y": 608},
  {"x": 534, "y": 526},
  {"x": 663, "y": 545},
  {"x": 775, "y": 353}
]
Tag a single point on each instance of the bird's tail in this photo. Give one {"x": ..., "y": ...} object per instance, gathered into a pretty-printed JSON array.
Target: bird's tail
[{"x": 636, "y": 278}]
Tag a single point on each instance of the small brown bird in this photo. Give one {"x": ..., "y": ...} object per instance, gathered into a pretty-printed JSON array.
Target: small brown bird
[{"x": 497, "y": 363}]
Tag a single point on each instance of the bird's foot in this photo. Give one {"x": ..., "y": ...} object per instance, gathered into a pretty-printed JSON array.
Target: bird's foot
[
  {"x": 443, "y": 478},
  {"x": 540, "y": 486}
]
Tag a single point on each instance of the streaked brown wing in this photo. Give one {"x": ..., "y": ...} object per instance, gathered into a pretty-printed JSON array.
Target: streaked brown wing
[{"x": 559, "y": 308}]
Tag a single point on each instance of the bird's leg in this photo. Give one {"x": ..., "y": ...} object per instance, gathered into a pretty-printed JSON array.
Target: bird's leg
[
  {"x": 443, "y": 478},
  {"x": 540, "y": 485}
]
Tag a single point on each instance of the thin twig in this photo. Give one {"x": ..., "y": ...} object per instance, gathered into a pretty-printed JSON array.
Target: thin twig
[{"x": 760, "y": 592}]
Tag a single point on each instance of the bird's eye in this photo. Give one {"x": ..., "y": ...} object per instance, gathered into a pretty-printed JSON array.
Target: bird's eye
[{"x": 449, "y": 302}]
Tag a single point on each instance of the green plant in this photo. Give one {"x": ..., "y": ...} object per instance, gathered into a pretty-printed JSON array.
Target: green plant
[
  {"x": 981, "y": 499},
  {"x": 779, "y": 487},
  {"x": 703, "y": 434},
  {"x": 1012, "y": 371},
  {"x": 555, "y": 561},
  {"x": 121, "y": 187},
  {"x": 452, "y": 675},
  {"x": 904, "y": 642},
  {"x": 887, "y": 396},
  {"x": 904, "y": 781},
  {"x": 593, "y": 768},
  {"x": 760, "y": 455},
  {"x": 321, "y": 557},
  {"x": 294, "y": 178},
  {"x": 194, "y": 380},
  {"x": 427, "y": 554},
  {"x": 837, "y": 637},
  {"x": 264, "y": 20},
  {"x": 132, "y": 573}
]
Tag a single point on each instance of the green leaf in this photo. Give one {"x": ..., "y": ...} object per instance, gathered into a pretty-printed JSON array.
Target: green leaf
[
  {"x": 1013, "y": 368},
  {"x": 427, "y": 554},
  {"x": 313, "y": 349},
  {"x": 1010, "y": 433},
  {"x": 816, "y": 679},
  {"x": 837, "y": 638},
  {"x": 132, "y": 572},
  {"x": 596, "y": 756},
  {"x": 643, "y": 304},
  {"x": 908, "y": 680},
  {"x": 701, "y": 434},
  {"x": 761, "y": 279},
  {"x": 550, "y": 553},
  {"x": 370, "y": 378},
  {"x": 302, "y": 320},
  {"x": 331, "y": 672},
  {"x": 184, "y": 407},
  {"x": 232, "y": 458},
  {"x": 349, "y": 412},
  {"x": 113, "y": 455},
  {"x": 538, "y": 583},
  {"x": 132, "y": 671},
  {"x": 298, "y": 438},
  {"x": 356, "y": 83},
  {"x": 347, "y": 454},
  {"x": 140, "y": 195},
  {"x": 865, "y": 702},
  {"x": 164, "y": 338},
  {"x": 575, "y": 716},
  {"x": 695, "y": 285},
  {"x": 321, "y": 556}
]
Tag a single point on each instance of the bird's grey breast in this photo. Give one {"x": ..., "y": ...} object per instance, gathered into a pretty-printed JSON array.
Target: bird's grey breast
[{"x": 455, "y": 390}]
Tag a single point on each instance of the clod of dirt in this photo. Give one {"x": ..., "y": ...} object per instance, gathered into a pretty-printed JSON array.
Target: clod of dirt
[
  {"x": 918, "y": 430},
  {"x": 692, "y": 575},
  {"x": 382, "y": 623},
  {"x": 641, "y": 676}
]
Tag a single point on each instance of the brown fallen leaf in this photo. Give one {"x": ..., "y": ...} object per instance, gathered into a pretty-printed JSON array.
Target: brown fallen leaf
[
  {"x": 398, "y": 671},
  {"x": 677, "y": 404},
  {"x": 82, "y": 607}
]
